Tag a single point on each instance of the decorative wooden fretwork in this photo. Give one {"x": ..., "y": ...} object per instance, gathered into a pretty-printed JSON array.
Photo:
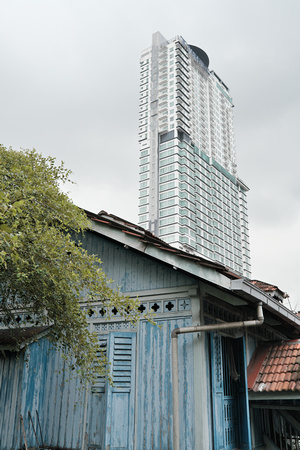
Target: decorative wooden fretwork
[
  {"x": 158, "y": 307},
  {"x": 214, "y": 313},
  {"x": 104, "y": 327},
  {"x": 217, "y": 359},
  {"x": 22, "y": 319}
]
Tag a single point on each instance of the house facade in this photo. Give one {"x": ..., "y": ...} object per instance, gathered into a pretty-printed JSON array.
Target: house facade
[{"x": 42, "y": 404}]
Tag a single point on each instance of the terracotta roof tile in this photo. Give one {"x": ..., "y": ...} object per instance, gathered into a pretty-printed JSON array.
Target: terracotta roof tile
[
  {"x": 270, "y": 289},
  {"x": 285, "y": 386},
  {"x": 267, "y": 378},
  {"x": 287, "y": 376},
  {"x": 275, "y": 367},
  {"x": 294, "y": 376},
  {"x": 267, "y": 387},
  {"x": 264, "y": 286},
  {"x": 276, "y": 377},
  {"x": 281, "y": 377}
]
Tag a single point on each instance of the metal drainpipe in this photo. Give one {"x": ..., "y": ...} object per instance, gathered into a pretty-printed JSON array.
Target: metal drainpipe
[{"x": 197, "y": 329}]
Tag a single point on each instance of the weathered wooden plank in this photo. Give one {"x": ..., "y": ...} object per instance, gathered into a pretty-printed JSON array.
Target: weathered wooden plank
[
  {"x": 11, "y": 380},
  {"x": 119, "y": 427},
  {"x": 130, "y": 272},
  {"x": 154, "y": 406}
]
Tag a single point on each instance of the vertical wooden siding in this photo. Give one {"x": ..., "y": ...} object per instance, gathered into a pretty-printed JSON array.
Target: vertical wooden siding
[
  {"x": 46, "y": 390},
  {"x": 132, "y": 271},
  {"x": 59, "y": 400},
  {"x": 11, "y": 369},
  {"x": 68, "y": 419},
  {"x": 154, "y": 386}
]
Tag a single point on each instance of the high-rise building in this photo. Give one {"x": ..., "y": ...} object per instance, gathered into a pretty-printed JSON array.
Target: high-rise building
[{"x": 190, "y": 194}]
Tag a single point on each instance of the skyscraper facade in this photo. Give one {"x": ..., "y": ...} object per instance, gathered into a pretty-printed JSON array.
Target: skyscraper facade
[{"x": 190, "y": 194}]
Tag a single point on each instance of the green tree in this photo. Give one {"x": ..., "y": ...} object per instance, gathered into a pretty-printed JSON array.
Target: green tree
[{"x": 43, "y": 268}]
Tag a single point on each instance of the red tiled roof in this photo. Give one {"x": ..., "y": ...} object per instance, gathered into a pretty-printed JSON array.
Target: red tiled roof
[
  {"x": 275, "y": 367},
  {"x": 270, "y": 289},
  {"x": 264, "y": 286}
]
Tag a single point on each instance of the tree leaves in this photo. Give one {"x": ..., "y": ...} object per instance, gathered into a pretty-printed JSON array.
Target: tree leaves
[{"x": 44, "y": 270}]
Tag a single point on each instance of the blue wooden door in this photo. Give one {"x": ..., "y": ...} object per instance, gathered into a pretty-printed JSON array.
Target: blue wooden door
[
  {"x": 217, "y": 391},
  {"x": 231, "y": 378},
  {"x": 229, "y": 394},
  {"x": 119, "y": 429}
]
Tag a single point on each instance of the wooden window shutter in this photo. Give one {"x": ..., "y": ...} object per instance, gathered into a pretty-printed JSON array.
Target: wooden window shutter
[
  {"x": 120, "y": 397},
  {"x": 122, "y": 361},
  {"x": 99, "y": 385}
]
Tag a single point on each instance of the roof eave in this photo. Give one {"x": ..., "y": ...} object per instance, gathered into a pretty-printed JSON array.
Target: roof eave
[
  {"x": 247, "y": 290},
  {"x": 282, "y": 395},
  {"x": 172, "y": 259}
]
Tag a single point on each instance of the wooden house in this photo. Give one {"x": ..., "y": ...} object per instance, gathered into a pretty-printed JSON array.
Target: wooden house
[{"x": 40, "y": 402}]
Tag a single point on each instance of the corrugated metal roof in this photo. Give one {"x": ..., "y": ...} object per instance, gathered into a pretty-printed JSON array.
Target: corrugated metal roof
[
  {"x": 275, "y": 368},
  {"x": 141, "y": 240},
  {"x": 147, "y": 237},
  {"x": 16, "y": 338}
]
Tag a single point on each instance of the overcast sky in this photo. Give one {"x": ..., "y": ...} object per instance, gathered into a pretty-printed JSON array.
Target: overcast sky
[{"x": 69, "y": 87}]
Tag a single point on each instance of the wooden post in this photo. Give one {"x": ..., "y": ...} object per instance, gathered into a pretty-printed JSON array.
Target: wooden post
[
  {"x": 37, "y": 415},
  {"x": 37, "y": 443},
  {"x": 23, "y": 429}
]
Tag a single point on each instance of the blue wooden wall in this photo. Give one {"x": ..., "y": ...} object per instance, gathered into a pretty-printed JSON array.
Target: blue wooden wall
[
  {"x": 38, "y": 380},
  {"x": 11, "y": 370},
  {"x": 39, "y": 383},
  {"x": 131, "y": 270},
  {"x": 155, "y": 403}
]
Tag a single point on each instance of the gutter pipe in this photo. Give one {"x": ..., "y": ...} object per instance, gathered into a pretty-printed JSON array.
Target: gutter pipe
[{"x": 197, "y": 329}]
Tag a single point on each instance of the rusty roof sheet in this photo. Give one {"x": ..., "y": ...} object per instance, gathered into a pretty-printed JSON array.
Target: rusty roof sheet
[
  {"x": 16, "y": 337},
  {"x": 270, "y": 289},
  {"x": 147, "y": 237},
  {"x": 275, "y": 367},
  {"x": 264, "y": 286}
]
